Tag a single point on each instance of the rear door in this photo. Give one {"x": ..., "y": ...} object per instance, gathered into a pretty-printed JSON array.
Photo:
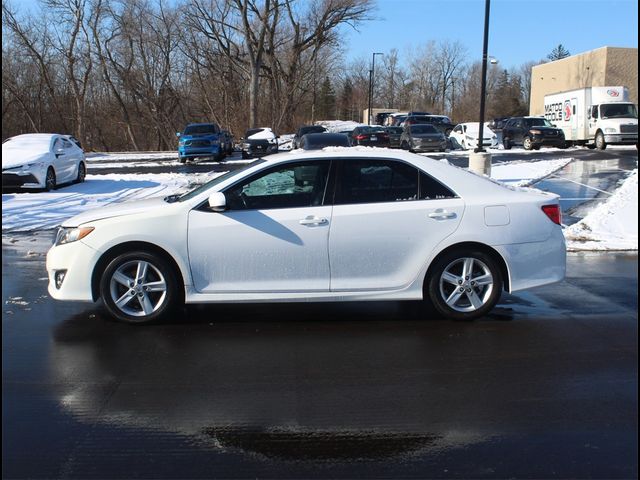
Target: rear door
[{"x": 387, "y": 218}]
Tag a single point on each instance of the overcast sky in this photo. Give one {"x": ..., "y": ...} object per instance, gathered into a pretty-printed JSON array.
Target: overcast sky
[{"x": 519, "y": 30}]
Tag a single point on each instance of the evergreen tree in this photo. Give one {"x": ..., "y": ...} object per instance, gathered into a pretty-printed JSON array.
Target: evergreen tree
[
  {"x": 558, "y": 53},
  {"x": 346, "y": 100},
  {"x": 327, "y": 101}
]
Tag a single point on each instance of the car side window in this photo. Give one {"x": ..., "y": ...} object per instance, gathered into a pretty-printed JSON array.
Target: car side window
[
  {"x": 375, "y": 181},
  {"x": 57, "y": 145},
  {"x": 432, "y": 189},
  {"x": 292, "y": 185},
  {"x": 458, "y": 129},
  {"x": 66, "y": 143}
]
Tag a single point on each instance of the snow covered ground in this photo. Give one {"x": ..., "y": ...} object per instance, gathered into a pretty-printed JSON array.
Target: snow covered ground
[{"x": 611, "y": 225}]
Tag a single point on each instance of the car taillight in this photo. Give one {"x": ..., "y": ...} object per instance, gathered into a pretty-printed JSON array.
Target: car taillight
[
  {"x": 362, "y": 137},
  {"x": 553, "y": 212}
]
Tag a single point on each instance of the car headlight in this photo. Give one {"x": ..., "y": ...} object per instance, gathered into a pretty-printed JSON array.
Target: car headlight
[
  {"x": 246, "y": 146},
  {"x": 536, "y": 132},
  {"x": 181, "y": 142},
  {"x": 72, "y": 234},
  {"x": 610, "y": 130}
]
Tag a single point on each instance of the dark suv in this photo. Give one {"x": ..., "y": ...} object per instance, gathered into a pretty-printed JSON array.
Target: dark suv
[
  {"x": 441, "y": 122},
  {"x": 531, "y": 133}
]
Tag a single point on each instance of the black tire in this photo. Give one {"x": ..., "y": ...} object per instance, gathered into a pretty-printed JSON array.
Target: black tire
[
  {"x": 506, "y": 143},
  {"x": 600, "y": 143},
  {"x": 182, "y": 159},
  {"x": 442, "y": 288},
  {"x": 82, "y": 172},
  {"x": 536, "y": 147},
  {"x": 527, "y": 143},
  {"x": 145, "y": 299},
  {"x": 50, "y": 180}
]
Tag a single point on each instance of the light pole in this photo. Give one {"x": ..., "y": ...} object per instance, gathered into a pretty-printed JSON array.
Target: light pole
[
  {"x": 480, "y": 160},
  {"x": 371, "y": 75},
  {"x": 483, "y": 85}
]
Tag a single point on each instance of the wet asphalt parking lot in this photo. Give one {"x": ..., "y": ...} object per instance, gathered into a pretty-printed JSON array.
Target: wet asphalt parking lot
[{"x": 544, "y": 387}]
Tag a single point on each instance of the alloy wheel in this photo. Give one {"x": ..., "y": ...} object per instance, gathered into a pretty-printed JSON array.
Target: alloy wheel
[
  {"x": 138, "y": 288},
  {"x": 466, "y": 284}
]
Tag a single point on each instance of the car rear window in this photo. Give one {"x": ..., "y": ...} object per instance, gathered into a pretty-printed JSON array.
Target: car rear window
[{"x": 423, "y": 128}]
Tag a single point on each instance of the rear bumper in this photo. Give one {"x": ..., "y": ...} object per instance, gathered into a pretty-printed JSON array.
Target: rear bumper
[{"x": 535, "y": 264}]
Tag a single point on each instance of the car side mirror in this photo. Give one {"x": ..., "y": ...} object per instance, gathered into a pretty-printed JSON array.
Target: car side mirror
[{"x": 217, "y": 202}]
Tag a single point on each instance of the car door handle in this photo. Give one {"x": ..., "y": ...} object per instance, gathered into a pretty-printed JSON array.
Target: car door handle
[
  {"x": 313, "y": 220},
  {"x": 442, "y": 215}
]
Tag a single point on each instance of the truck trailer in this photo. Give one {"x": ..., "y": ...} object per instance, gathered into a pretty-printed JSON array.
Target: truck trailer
[{"x": 594, "y": 116}]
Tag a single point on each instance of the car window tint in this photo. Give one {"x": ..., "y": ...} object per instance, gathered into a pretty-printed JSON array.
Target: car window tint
[
  {"x": 286, "y": 186},
  {"x": 431, "y": 189},
  {"x": 66, "y": 143},
  {"x": 373, "y": 181}
]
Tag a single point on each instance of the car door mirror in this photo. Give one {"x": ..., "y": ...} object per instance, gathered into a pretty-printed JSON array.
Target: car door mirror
[
  {"x": 59, "y": 151},
  {"x": 217, "y": 202}
]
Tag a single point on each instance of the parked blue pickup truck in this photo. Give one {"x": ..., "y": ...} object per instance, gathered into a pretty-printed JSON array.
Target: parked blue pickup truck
[{"x": 200, "y": 140}]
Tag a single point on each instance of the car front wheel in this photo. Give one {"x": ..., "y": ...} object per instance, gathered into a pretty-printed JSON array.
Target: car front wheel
[
  {"x": 527, "y": 143},
  {"x": 50, "y": 180},
  {"x": 139, "y": 287},
  {"x": 464, "y": 285},
  {"x": 600, "y": 143}
]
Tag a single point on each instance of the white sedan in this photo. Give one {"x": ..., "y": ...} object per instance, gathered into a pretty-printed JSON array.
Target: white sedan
[
  {"x": 343, "y": 224},
  {"x": 42, "y": 160},
  {"x": 465, "y": 136}
]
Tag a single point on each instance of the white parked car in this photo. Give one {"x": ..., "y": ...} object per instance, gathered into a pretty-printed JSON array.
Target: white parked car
[
  {"x": 42, "y": 160},
  {"x": 334, "y": 225},
  {"x": 465, "y": 136}
]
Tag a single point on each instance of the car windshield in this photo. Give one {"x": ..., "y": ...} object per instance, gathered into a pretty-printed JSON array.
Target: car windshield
[
  {"x": 199, "y": 129},
  {"x": 619, "y": 110},
  {"x": 539, "y": 122},
  {"x": 423, "y": 129},
  {"x": 201, "y": 188}
]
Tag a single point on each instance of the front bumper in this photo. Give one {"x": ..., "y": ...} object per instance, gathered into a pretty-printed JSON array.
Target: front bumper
[
  {"x": 254, "y": 151},
  {"x": 79, "y": 260},
  {"x": 208, "y": 151},
  {"x": 429, "y": 147},
  {"x": 621, "y": 138},
  {"x": 26, "y": 178},
  {"x": 545, "y": 141}
]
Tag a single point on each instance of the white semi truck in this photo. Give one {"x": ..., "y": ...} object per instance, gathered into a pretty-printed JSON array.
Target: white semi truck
[{"x": 594, "y": 116}]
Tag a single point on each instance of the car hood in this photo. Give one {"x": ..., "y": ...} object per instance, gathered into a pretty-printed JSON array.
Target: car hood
[
  {"x": 14, "y": 157},
  {"x": 118, "y": 210}
]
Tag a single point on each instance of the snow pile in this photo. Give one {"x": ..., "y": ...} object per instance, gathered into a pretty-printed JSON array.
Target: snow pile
[
  {"x": 128, "y": 157},
  {"x": 522, "y": 174},
  {"x": 23, "y": 212},
  {"x": 338, "y": 126},
  {"x": 612, "y": 225},
  {"x": 285, "y": 142}
]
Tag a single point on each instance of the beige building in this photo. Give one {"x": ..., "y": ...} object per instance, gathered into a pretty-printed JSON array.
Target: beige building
[{"x": 602, "y": 67}]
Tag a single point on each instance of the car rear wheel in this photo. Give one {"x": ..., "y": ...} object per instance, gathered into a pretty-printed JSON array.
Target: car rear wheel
[
  {"x": 527, "y": 143},
  {"x": 82, "y": 172},
  {"x": 464, "y": 285},
  {"x": 139, "y": 287},
  {"x": 600, "y": 143},
  {"x": 50, "y": 180}
]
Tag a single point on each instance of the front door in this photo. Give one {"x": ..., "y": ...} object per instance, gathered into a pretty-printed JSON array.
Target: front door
[{"x": 273, "y": 237}]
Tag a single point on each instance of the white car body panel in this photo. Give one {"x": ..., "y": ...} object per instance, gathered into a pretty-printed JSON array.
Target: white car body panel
[
  {"x": 468, "y": 138},
  {"x": 356, "y": 255},
  {"x": 33, "y": 154}
]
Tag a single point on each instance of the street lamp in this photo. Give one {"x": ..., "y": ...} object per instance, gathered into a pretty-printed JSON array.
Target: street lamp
[
  {"x": 479, "y": 159},
  {"x": 371, "y": 75},
  {"x": 483, "y": 86}
]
